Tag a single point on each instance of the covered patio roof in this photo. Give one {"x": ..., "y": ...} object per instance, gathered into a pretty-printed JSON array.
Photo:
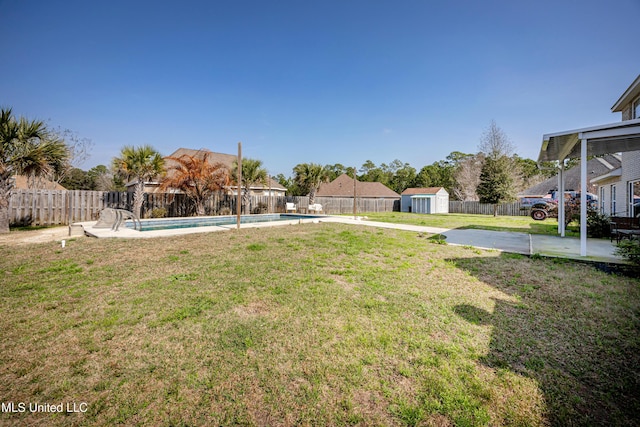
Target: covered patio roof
[
  {"x": 580, "y": 143},
  {"x": 604, "y": 139}
]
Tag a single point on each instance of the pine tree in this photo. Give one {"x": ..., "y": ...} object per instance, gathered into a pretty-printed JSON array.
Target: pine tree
[{"x": 496, "y": 182}]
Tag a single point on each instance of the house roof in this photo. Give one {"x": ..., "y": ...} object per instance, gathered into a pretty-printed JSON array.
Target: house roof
[
  {"x": 427, "y": 190},
  {"x": 596, "y": 167},
  {"x": 225, "y": 159},
  {"x": 22, "y": 183},
  {"x": 342, "y": 186},
  {"x": 628, "y": 96}
]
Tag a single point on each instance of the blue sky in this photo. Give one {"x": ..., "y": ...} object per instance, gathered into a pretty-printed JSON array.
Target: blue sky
[{"x": 317, "y": 81}]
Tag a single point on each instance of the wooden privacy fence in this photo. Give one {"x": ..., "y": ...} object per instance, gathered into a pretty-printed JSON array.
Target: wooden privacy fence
[
  {"x": 61, "y": 207},
  {"x": 505, "y": 209}
]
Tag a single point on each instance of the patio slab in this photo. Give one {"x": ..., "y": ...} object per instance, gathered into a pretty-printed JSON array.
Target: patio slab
[
  {"x": 598, "y": 250},
  {"x": 519, "y": 243}
]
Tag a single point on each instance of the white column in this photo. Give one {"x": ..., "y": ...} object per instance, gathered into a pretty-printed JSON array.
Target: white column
[
  {"x": 560, "y": 195},
  {"x": 583, "y": 198},
  {"x": 559, "y": 188}
]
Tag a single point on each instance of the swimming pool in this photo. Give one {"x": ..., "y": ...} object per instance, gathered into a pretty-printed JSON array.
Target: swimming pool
[{"x": 212, "y": 221}]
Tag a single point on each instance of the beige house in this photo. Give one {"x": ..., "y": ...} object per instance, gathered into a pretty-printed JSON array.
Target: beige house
[
  {"x": 23, "y": 182},
  {"x": 273, "y": 187},
  {"x": 619, "y": 189},
  {"x": 621, "y": 137}
]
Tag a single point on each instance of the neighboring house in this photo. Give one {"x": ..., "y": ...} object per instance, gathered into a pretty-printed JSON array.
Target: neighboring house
[
  {"x": 596, "y": 168},
  {"x": 22, "y": 182},
  {"x": 619, "y": 189},
  {"x": 342, "y": 186},
  {"x": 425, "y": 200},
  {"x": 272, "y": 187}
]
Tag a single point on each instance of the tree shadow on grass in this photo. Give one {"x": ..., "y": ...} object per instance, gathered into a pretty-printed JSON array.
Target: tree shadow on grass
[{"x": 572, "y": 329}]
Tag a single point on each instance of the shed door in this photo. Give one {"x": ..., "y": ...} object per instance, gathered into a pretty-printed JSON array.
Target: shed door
[{"x": 422, "y": 205}]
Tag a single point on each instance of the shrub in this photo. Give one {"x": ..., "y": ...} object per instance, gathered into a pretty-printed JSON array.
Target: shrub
[
  {"x": 630, "y": 250},
  {"x": 598, "y": 225},
  {"x": 260, "y": 209},
  {"x": 158, "y": 213}
]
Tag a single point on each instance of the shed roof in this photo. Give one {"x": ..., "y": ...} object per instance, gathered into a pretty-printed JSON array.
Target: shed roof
[{"x": 427, "y": 190}]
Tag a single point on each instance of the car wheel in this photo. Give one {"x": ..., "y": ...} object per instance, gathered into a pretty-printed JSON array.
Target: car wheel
[{"x": 538, "y": 215}]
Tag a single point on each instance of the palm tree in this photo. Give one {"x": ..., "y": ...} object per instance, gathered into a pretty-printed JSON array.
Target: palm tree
[
  {"x": 139, "y": 164},
  {"x": 196, "y": 176},
  {"x": 27, "y": 147},
  {"x": 252, "y": 173},
  {"x": 310, "y": 175}
]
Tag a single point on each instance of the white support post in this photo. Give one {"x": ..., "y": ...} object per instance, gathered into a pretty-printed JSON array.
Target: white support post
[
  {"x": 561, "y": 207},
  {"x": 583, "y": 198},
  {"x": 557, "y": 195}
]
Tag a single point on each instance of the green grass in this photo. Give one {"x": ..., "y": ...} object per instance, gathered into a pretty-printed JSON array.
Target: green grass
[
  {"x": 29, "y": 227},
  {"x": 523, "y": 224},
  {"x": 318, "y": 324}
]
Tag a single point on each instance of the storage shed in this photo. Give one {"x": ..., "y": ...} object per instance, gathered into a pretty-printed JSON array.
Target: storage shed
[{"x": 425, "y": 200}]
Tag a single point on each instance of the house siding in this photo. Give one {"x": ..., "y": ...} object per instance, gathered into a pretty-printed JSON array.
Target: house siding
[{"x": 630, "y": 173}]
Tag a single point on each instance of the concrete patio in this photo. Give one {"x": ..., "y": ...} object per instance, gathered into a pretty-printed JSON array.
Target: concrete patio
[{"x": 599, "y": 250}]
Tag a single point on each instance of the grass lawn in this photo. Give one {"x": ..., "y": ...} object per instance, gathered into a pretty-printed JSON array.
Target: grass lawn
[
  {"x": 317, "y": 324},
  {"x": 523, "y": 224}
]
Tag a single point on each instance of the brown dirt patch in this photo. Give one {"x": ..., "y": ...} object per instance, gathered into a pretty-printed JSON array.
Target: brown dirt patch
[{"x": 44, "y": 235}]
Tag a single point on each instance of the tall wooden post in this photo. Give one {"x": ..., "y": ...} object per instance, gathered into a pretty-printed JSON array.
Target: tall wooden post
[
  {"x": 239, "y": 195},
  {"x": 269, "y": 201},
  {"x": 355, "y": 205}
]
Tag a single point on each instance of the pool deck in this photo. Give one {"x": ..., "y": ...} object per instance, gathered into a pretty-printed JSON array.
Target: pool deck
[
  {"x": 129, "y": 233},
  {"x": 598, "y": 250}
]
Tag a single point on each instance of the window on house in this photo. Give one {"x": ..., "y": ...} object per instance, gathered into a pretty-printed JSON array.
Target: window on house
[
  {"x": 634, "y": 198},
  {"x": 601, "y": 201},
  {"x": 636, "y": 109},
  {"x": 613, "y": 200}
]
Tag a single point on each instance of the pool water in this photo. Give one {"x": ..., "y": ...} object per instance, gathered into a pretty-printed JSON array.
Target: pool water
[{"x": 209, "y": 221}]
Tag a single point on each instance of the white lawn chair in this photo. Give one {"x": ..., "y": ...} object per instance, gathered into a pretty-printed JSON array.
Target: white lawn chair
[
  {"x": 316, "y": 207},
  {"x": 291, "y": 207}
]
